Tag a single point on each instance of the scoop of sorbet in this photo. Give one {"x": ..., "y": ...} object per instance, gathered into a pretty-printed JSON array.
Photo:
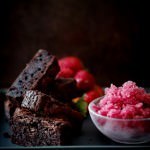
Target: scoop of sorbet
[{"x": 128, "y": 102}]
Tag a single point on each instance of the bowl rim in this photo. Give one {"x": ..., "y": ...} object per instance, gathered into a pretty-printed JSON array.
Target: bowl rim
[{"x": 105, "y": 117}]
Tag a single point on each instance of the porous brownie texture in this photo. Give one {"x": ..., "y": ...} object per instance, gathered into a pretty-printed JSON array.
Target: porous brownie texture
[
  {"x": 30, "y": 130},
  {"x": 46, "y": 105},
  {"x": 38, "y": 74}
]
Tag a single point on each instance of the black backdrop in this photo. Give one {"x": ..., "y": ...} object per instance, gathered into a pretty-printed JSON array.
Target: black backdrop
[{"x": 111, "y": 37}]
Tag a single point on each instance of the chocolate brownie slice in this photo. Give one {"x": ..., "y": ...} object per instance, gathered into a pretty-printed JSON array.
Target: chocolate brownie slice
[
  {"x": 30, "y": 130},
  {"x": 64, "y": 89},
  {"x": 46, "y": 105},
  {"x": 38, "y": 73}
]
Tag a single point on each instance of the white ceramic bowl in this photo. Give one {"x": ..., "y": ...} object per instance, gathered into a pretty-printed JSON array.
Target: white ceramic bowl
[{"x": 128, "y": 131}]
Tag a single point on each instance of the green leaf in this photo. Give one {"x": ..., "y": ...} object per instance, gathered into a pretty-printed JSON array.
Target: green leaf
[{"x": 82, "y": 106}]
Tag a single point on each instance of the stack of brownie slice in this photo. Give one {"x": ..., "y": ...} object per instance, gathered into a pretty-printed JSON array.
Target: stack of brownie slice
[{"x": 39, "y": 106}]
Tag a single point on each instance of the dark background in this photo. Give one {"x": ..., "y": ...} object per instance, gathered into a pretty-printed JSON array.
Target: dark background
[{"x": 111, "y": 37}]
